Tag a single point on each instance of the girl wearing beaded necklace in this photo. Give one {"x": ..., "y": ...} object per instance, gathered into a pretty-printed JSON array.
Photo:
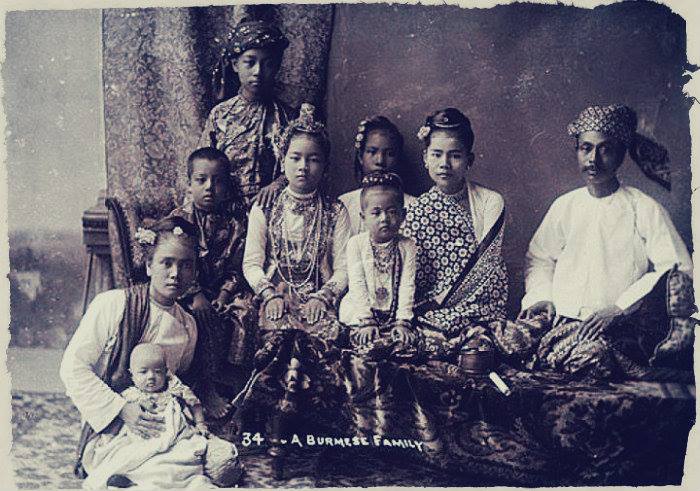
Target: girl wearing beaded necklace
[{"x": 295, "y": 261}]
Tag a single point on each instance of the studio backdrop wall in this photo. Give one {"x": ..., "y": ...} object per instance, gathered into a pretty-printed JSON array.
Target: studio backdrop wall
[{"x": 521, "y": 73}]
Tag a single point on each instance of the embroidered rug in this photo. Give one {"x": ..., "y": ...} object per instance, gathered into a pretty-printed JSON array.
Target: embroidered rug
[{"x": 45, "y": 429}]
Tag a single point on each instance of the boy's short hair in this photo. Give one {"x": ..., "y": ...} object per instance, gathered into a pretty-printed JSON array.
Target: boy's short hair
[
  {"x": 384, "y": 180},
  {"x": 208, "y": 153}
]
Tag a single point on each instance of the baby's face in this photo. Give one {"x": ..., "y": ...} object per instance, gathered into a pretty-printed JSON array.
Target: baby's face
[{"x": 148, "y": 373}]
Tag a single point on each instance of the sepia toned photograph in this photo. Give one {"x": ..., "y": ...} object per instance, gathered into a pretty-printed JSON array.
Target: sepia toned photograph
[{"x": 349, "y": 245}]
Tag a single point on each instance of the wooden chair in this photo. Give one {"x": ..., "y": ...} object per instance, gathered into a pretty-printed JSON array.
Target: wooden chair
[{"x": 124, "y": 220}]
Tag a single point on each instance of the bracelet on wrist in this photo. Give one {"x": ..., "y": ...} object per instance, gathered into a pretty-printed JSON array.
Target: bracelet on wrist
[
  {"x": 267, "y": 292},
  {"x": 271, "y": 297}
]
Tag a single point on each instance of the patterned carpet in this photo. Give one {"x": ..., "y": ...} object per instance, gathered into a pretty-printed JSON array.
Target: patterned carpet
[{"x": 45, "y": 429}]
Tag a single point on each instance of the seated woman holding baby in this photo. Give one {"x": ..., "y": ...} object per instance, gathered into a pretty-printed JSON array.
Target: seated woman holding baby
[{"x": 101, "y": 364}]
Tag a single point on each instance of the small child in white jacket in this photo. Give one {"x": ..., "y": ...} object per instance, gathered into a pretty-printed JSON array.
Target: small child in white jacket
[
  {"x": 381, "y": 266},
  {"x": 178, "y": 452}
]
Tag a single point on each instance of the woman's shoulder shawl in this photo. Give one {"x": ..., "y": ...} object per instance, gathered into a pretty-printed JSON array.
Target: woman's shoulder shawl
[{"x": 131, "y": 328}]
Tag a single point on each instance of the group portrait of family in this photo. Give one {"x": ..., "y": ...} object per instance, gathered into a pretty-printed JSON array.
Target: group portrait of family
[{"x": 373, "y": 320}]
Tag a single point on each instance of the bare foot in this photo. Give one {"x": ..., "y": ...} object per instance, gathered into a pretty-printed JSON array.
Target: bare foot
[{"x": 215, "y": 406}]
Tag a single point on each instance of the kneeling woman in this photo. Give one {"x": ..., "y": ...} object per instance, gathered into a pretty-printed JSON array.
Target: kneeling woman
[
  {"x": 295, "y": 261},
  {"x": 461, "y": 281}
]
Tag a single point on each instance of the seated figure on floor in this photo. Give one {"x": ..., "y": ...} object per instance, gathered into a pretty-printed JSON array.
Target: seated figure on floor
[
  {"x": 295, "y": 261},
  {"x": 606, "y": 268},
  {"x": 95, "y": 365},
  {"x": 219, "y": 297},
  {"x": 178, "y": 451},
  {"x": 378, "y": 307}
]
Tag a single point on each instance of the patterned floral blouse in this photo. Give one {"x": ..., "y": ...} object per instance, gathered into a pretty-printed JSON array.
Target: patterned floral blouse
[{"x": 244, "y": 130}]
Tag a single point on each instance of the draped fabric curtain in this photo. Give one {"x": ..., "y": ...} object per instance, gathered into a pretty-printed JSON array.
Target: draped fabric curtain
[{"x": 157, "y": 66}]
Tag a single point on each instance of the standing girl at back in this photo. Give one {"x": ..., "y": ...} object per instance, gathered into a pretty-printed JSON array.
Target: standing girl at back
[
  {"x": 378, "y": 147},
  {"x": 244, "y": 126}
]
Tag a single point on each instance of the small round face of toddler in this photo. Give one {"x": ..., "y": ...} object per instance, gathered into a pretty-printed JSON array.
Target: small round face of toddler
[
  {"x": 148, "y": 368},
  {"x": 382, "y": 212}
]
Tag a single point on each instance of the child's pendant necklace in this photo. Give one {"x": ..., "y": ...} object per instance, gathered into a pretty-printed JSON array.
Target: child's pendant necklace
[{"x": 384, "y": 256}]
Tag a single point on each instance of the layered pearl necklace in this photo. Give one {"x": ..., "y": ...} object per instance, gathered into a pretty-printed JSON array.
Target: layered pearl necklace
[{"x": 309, "y": 207}]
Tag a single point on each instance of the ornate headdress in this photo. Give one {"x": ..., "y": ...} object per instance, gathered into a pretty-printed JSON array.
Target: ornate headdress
[
  {"x": 620, "y": 122},
  {"x": 382, "y": 178},
  {"x": 305, "y": 123},
  {"x": 251, "y": 35},
  {"x": 248, "y": 34}
]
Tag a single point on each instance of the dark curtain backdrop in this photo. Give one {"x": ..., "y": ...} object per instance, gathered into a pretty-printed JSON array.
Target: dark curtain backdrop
[{"x": 157, "y": 92}]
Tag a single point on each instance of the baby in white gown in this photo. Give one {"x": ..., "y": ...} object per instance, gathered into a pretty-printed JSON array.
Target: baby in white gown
[{"x": 175, "y": 458}]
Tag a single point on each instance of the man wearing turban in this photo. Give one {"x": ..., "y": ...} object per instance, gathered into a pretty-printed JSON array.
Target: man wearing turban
[{"x": 602, "y": 253}]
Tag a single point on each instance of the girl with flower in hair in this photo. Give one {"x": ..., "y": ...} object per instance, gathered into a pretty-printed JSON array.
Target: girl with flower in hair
[
  {"x": 95, "y": 365},
  {"x": 244, "y": 126},
  {"x": 378, "y": 147},
  {"x": 461, "y": 281},
  {"x": 295, "y": 261}
]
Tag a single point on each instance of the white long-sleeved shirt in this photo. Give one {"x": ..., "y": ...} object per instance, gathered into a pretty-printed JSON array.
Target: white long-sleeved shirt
[
  {"x": 258, "y": 264},
  {"x": 356, "y": 306},
  {"x": 170, "y": 327},
  {"x": 351, "y": 200},
  {"x": 589, "y": 253}
]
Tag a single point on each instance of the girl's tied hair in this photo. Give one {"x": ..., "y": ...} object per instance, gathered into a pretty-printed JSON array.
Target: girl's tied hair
[
  {"x": 449, "y": 119},
  {"x": 304, "y": 124},
  {"x": 153, "y": 232},
  {"x": 248, "y": 34},
  {"x": 375, "y": 123}
]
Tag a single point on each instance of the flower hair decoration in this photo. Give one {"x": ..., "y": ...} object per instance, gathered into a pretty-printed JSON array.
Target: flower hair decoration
[
  {"x": 146, "y": 236},
  {"x": 423, "y": 132},
  {"x": 177, "y": 231},
  {"x": 359, "y": 138}
]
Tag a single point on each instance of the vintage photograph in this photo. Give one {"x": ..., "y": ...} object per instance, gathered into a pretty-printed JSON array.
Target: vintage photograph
[{"x": 349, "y": 245}]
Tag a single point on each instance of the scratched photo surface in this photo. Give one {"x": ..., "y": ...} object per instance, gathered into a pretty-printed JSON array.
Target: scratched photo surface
[{"x": 527, "y": 321}]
